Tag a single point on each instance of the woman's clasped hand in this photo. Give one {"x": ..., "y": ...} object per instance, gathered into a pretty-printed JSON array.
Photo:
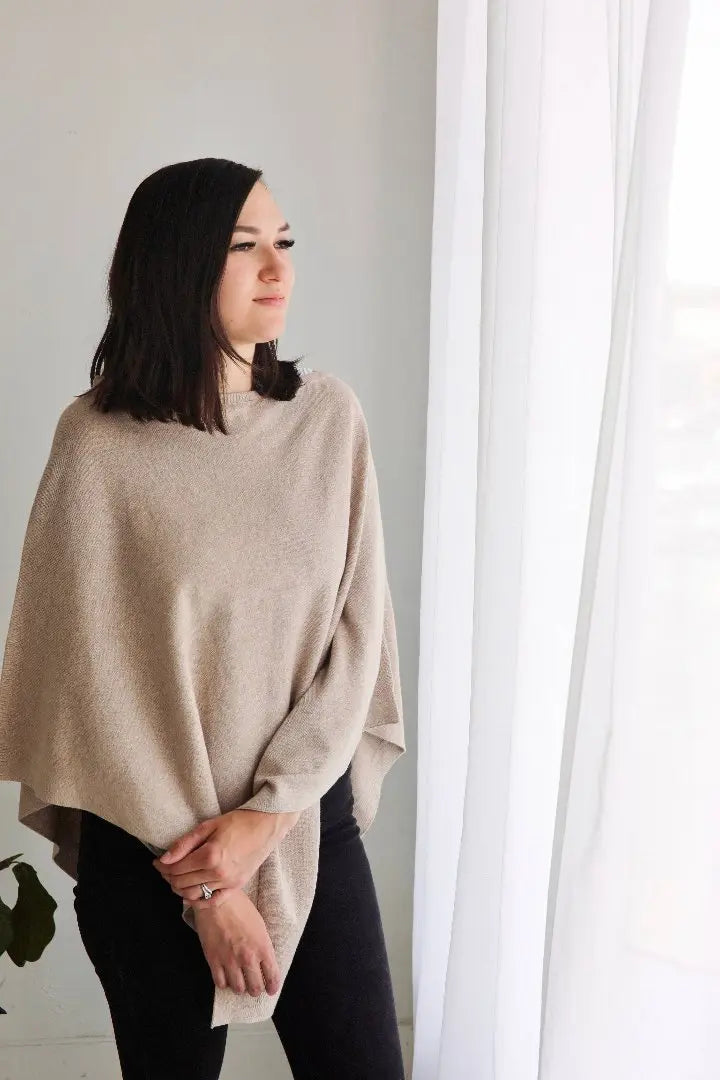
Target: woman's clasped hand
[{"x": 222, "y": 852}]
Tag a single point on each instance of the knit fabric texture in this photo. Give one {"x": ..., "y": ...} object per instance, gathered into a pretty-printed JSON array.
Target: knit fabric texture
[{"x": 203, "y": 622}]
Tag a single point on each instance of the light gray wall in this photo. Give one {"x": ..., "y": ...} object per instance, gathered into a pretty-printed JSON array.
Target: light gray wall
[{"x": 335, "y": 101}]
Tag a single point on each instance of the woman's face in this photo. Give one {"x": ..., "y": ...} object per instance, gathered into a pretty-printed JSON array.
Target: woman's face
[{"x": 258, "y": 264}]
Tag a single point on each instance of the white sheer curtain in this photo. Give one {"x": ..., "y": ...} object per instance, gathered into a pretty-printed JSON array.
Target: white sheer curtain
[{"x": 545, "y": 919}]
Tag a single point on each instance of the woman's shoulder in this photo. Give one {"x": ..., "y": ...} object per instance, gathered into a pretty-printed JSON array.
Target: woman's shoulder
[
  {"x": 76, "y": 424},
  {"x": 332, "y": 387}
]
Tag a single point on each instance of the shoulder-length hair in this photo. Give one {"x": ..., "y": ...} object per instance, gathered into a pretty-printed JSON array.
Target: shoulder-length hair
[{"x": 159, "y": 357}]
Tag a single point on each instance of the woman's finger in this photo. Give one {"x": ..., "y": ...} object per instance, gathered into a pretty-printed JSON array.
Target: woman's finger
[
  {"x": 194, "y": 892},
  {"x": 271, "y": 975},
  {"x": 236, "y": 979},
  {"x": 211, "y": 878},
  {"x": 254, "y": 982}
]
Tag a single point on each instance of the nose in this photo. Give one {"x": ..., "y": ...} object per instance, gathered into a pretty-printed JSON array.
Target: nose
[
  {"x": 277, "y": 273},
  {"x": 272, "y": 272}
]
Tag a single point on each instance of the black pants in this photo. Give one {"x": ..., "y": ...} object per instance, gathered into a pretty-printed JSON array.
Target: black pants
[{"x": 335, "y": 1014}]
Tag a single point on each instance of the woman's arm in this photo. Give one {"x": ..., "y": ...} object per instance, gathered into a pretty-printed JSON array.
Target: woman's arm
[{"x": 315, "y": 742}]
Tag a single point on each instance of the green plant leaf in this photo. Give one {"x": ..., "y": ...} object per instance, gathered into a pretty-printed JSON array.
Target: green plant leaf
[
  {"x": 33, "y": 922},
  {"x": 6, "y": 862}
]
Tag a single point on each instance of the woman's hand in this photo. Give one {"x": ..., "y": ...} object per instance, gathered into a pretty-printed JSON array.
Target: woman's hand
[
  {"x": 237, "y": 946},
  {"x": 223, "y": 853}
]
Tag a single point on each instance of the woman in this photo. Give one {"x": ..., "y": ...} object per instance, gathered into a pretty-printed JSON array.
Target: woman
[{"x": 202, "y": 658}]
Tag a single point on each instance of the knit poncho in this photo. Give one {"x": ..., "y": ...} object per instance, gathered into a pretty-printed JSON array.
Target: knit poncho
[{"x": 203, "y": 622}]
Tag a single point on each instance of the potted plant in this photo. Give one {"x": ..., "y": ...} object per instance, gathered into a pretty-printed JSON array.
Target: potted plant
[{"x": 27, "y": 928}]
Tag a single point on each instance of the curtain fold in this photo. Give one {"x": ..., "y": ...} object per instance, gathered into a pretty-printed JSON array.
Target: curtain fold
[
  {"x": 555, "y": 126},
  {"x": 595, "y": 839}
]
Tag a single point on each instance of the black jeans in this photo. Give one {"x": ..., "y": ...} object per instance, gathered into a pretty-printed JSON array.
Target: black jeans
[{"x": 335, "y": 1014}]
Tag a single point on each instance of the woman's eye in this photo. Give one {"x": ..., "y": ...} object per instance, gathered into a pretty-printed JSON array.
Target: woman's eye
[{"x": 247, "y": 244}]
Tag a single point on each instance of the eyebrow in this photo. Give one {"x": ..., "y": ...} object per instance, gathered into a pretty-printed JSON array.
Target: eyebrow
[{"x": 252, "y": 229}]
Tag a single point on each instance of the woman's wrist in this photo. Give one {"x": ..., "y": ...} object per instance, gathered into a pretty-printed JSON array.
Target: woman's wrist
[
  {"x": 288, "y": 820},
  {"x": 276, "y": 824},
  {"x": 280, "y": 824}
]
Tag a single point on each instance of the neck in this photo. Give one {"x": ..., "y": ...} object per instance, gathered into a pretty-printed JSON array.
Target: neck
[{"x": 239, "y": 376}]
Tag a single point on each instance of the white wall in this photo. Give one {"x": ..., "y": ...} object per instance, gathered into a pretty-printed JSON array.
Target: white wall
[{"x": 335, "y": 101}]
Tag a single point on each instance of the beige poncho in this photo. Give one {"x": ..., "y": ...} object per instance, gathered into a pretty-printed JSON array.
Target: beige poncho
[{"x": 203, "y": 622}]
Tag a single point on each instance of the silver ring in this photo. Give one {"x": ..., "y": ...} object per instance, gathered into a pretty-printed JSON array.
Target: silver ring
[{"x": 207, "y": 893}]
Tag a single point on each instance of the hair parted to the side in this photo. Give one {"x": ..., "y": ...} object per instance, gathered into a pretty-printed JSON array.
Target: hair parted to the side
[{"x": 159, "y": 356}]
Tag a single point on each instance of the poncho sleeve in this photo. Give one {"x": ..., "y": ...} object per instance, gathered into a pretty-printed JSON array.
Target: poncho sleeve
[{"x": 356, "y": 687}]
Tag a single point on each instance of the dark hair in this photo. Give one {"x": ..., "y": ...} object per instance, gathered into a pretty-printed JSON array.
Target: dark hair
[{"x": 159, "y": 356}]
